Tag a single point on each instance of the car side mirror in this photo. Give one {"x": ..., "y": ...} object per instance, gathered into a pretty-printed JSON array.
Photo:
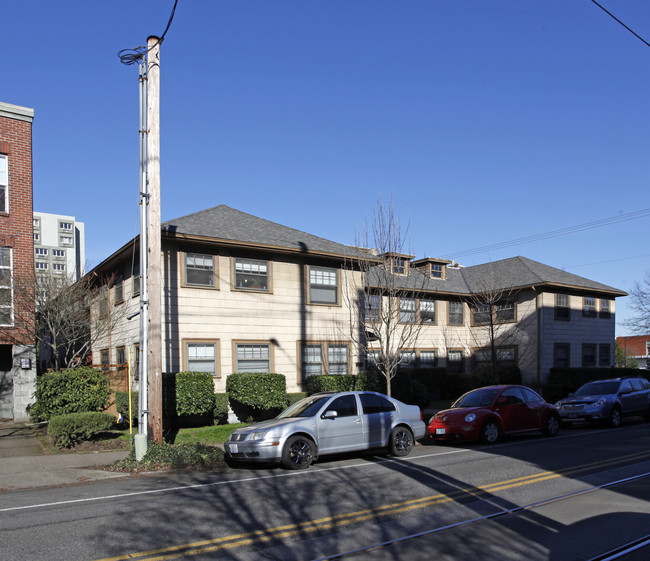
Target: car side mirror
[{"x": 330, "y": 414}]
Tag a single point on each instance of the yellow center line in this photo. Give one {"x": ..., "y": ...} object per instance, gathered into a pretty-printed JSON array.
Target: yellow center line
[{"x": 340, "y": 520}]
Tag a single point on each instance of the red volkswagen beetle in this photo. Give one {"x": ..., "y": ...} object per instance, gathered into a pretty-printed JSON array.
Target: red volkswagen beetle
[{"x": 487, "y": 413}]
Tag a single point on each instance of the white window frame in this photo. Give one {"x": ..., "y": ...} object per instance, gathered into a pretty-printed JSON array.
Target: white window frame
[
  {"x": 325, "y": 280},
  {"x": 41, "y": 251},
  {"x": 407, "y": 310},
  {"x": 6, "y": 267},
  {"x": 65, "y": 240},
  {"x": 201, "y": 356},
  {"x": 200, "y": 263},
  {"x": 250, "y": 270},
  {"x": 42, "y": 265},
  {"x": 4, "y": 182},
  {"x": 65, "y": 226},
  {"x": 251, "y": 353}
]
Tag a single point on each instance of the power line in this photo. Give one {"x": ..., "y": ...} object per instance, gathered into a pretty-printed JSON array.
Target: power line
[
  {"x": 131, "y": 56},
  {"x": 619, "y": 21},
  {"x": 553, "y": 233}
]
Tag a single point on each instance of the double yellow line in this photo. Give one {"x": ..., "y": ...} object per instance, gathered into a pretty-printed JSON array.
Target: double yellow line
[{"x": 341, "y": 520}]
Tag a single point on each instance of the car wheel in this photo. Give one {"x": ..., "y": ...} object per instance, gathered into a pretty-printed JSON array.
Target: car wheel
[
  {"x": 490, "y": 432},
  {"x": 615, "y": 417},
  {"x": 401, "y": 441},
  {"x": 552, "y": 425},
  {"x": 298, "y": 452}
]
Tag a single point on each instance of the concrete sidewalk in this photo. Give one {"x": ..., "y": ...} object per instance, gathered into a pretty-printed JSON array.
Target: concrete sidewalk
[{"x": 26, "y": 463}]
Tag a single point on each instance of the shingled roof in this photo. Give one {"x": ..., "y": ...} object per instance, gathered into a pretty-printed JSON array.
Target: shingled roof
[{"x": 228, "y": 224}]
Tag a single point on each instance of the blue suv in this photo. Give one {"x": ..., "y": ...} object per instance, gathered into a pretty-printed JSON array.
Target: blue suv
[{"x": 607, "y": 401}]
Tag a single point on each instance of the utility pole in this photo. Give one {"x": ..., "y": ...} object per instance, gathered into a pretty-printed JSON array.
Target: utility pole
[{"x": 153, "y": 238}]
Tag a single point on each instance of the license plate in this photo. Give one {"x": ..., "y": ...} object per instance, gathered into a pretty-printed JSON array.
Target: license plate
[
  {"x": 232, "y": 448},
  {"x": 441, "y": 431}
]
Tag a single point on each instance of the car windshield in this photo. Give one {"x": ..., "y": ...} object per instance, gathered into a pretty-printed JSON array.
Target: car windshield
[
  {"x": 476, "y": 398},
  {"x": 598, "y": 388},
  {"x": 307, "y": 407}
]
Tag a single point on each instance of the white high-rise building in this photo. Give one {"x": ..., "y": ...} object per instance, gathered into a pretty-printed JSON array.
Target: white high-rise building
[{"x": 59, "y": 245}]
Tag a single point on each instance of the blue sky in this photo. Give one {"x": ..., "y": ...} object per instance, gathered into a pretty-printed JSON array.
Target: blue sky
[{"x": 483, "y": 121}]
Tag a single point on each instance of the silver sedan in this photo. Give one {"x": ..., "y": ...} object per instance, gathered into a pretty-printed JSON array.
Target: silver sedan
[{"x": 329, "y": 423}]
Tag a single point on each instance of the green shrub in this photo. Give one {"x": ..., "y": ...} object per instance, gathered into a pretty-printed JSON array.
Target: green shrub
[
  {"x": 563, "y": 381},
  {"x": 331, "y": 383},
  {"x": 122, "y": 405},
  {"x": 188, "y": 398},
  {"x": 371, "y": 381},
  {"x": 68, "y": 430},
  {"x": 70, "y": 391},
  {"x": 256, "y": 395},
  {"x": 172, "y": 456},
  {"x": 221, "y": 408},
  {"x": 194, "y": 393},
  {"x": 486, "y": 376}
]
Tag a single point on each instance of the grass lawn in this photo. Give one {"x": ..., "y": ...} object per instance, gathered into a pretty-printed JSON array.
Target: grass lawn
[{"x": 215, "y": 434}]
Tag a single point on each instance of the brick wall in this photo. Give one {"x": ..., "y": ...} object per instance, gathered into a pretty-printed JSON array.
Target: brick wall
[{"x": 17, "y": 232}]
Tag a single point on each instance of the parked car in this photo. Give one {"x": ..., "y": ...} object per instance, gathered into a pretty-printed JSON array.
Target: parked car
[
  {"x": 607, "y": 401},
  {"x": 328, "y": 423},
  {"x": 487, "y": 413}
]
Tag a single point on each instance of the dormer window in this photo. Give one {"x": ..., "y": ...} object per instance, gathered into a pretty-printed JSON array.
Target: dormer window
[
  {"x": 399, "y": 266},
  {"x": 436, "y": 271}
]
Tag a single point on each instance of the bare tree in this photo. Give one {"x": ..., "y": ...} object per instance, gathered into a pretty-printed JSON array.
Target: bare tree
[
  {"x": 62, "y": 326},
  {"x": 640, "y": 305},
  {"x": 501, "y": 336},
  {"x": 384, "y": 301}
]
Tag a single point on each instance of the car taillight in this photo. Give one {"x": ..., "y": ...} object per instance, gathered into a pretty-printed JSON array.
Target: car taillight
[{"x": 421, "y": 417}]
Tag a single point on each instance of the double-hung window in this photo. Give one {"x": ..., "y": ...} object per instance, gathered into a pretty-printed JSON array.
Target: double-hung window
[
  {"x": 562, "y": 309},
  {"x": 505, "y": 310},
  {"x": 407, "y": 359},
  {"x": 407, "y": 310},
  {"x": 312, "y": 360},
  {"x": 253, "y": 357},
  {"x": 201, "y": 357},
  {"x": 4, "y": 183},
  {"x": 481, "y": 314},
  {"x": 562, "y": 355},
  {"x": 605, "y": 311},
  {"x": 372, "y": 307},
  {"x": 588, "y": 355},
  {"x": 604, "y": 354},
  {"x": 6, "y": 287},
  {"x": 455, "y": 362},
  {"x": 251, "y": 274},
  {"x": 325, "y": 358},
  {"x": 427, "y": 311},
  {"x": 199, "y": 269},
  {"x": 589, "y": 307},
  {"x": 323, "y": 285},
  {"x": 455, "y": 313},
  {"x": 337, "y": 359}
]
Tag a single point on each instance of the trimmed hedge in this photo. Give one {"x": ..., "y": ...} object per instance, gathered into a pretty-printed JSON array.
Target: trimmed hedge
[
  {"x": 188, "y": 398},
  {"x": 122, "y": 405},
  {"x": 256, "y": 395},
  {"x": 221, "y": 408},
  {"x": 563, "y": 381},
  {"x": 68, "y": 430},
  {"x": 69, "y": 391}
]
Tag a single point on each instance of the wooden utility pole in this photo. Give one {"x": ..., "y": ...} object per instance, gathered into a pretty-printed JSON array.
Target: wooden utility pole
[{"x": 154, "y": 374}]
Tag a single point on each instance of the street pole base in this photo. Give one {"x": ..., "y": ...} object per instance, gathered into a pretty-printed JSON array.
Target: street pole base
[{"x": 140, "y": 441}]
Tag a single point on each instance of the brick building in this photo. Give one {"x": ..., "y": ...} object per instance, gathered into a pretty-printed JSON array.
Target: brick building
[
  {"x": 17, "y": 353},
  {"x": 638, "y": 348}
]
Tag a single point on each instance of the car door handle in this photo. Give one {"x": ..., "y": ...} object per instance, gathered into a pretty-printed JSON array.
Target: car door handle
[{"x": 357, "y": 421}]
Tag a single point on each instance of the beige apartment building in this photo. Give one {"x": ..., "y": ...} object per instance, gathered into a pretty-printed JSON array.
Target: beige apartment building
[{"x": 243, "y": 294}]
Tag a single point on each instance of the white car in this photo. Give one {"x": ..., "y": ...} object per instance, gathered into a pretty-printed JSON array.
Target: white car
[{"x": 328, "y": 423}]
